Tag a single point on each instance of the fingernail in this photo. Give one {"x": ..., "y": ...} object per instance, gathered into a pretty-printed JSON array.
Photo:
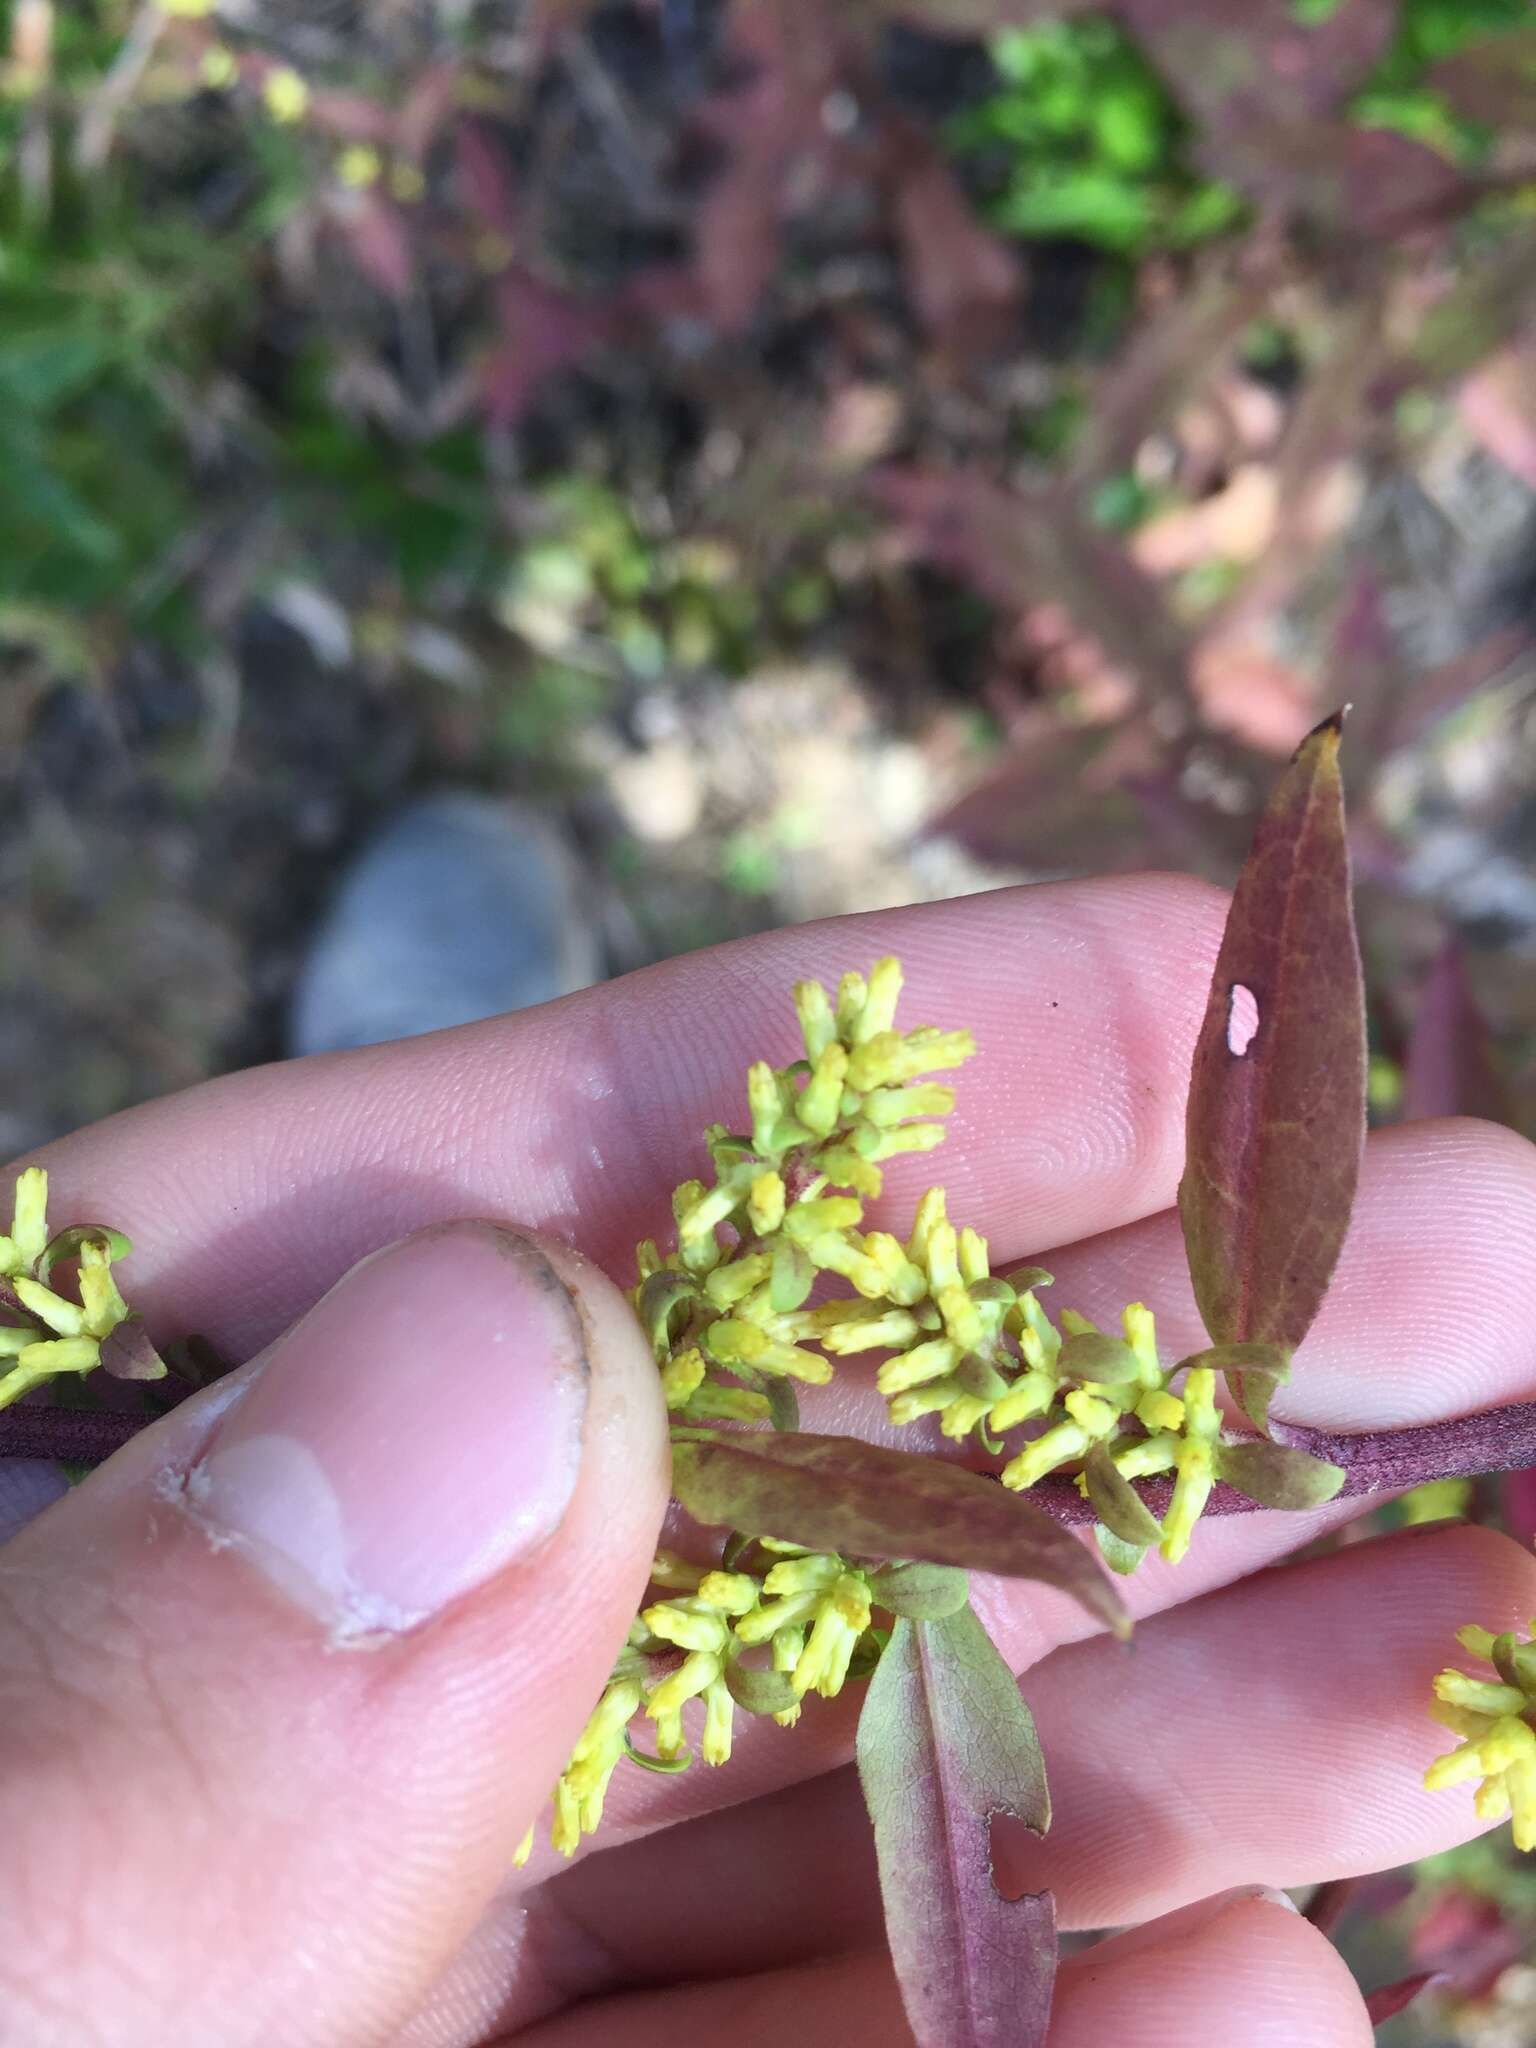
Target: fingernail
[
  {"x": 415, "y": 1434},
  {"x": 1197, "y": 1916},
  {"x": 1258, "y": 1894}
]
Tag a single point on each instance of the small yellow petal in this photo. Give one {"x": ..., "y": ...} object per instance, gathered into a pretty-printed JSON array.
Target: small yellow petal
[
  {"x": 286, "y": 95},
  {"x": 359, "y": 165},
  {"x": 29, "y": 1226}
]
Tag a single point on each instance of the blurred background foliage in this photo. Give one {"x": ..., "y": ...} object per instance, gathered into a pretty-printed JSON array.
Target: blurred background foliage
[{"x": 828, "y": 456}]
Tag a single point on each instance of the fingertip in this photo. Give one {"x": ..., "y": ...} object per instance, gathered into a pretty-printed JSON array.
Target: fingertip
[{"x": 1245, "y": 1968}]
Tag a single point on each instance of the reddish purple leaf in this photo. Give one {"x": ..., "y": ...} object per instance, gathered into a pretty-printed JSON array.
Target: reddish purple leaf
[
  {"x": 1452, "y": 1068},
  {"x": 1169, "y": 357},
  {"x": 962, "y": 279},
  {"x": 836, "y": 1493},
  {"x": 1361, "y": 183},
  {"x": 1267, "y": 93},
  {"x": 351, "y": 116},
  {"x": 1017, "y": 548},
  {"x": 977, "y": 17},
  {"x": 1391, "y": 1999},
  {"x": 1492, "y": 81},
  {"x": 127, "y": 1354},
  {"x": 770, "y": 124},
  {"x": 945, "y": 1744},
  {"x": 1330, "y": 1904},
  {"x": 1275, "y": 1131},
  {"x": 427, "y": 108},
  {"x": 375, "y": 230},
  {"x": 486, "y": 179},
  {"x": 1234, "y": 67}
]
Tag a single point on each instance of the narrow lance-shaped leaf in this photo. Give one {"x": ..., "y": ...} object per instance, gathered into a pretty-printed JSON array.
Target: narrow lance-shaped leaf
[
  {"x": 1117, "y": 1503},
  {"x": 836, "y": 1493},
  {"x": 1391, "y": 1999},
  {"x": 1278, "y": 1475},
  {"x": 945, "y": 1743},
  {"x": 1277, "y": 1096},
  {"x": 922, "y": 1592}
]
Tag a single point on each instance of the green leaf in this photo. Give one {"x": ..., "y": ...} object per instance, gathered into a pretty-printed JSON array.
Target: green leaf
[
  {"x": 921, "y": 1592},
  {"x": 783, "y": 1402},
  {"x": 759, "y": 1690},
  {"x": 1117, "y": 1503},
  {"x": 661, "y": 1296},
  {"x": 1278, "y": 1477},
  {"x": 1273, "y": 1359},
  {"x": 1252, "y": 1371},
  {"x": 1025, "y": 1279},
  {"x": 1276, "y": 1117},
  {"x": 1120, "y": 1556},
  {"x": 663, "y": 1766},
  {"x": 1093, "y": 1356},
  {"x": 863, "y": 1500},
  {"x": 945, "y": 1743},
  {"x": 69, "y": 1244},
  {"x": 791, "y": 1279}
]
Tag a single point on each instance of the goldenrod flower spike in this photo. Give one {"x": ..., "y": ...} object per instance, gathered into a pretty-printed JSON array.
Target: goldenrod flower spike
[
  {"x": 1495, "y": 1717},
  {"x": 730, "y": 1315}
]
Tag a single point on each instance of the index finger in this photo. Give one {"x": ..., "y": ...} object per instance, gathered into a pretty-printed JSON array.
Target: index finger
[{"x": 248, "y": 1196}]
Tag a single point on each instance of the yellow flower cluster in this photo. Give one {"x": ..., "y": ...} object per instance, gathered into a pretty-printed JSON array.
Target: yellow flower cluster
[
  {"x": 43, "y": 1334},
  {"x": 729, "y": 1311},
  {"x": 811, "y": 1610},
  {"x": 1494, "y": 1717},
  {"x": 731, "y": 1319},
  {"x": 728, "y": 1316}
]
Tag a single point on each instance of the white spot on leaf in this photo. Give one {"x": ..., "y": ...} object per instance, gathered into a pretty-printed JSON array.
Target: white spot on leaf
[{"x": 1242, "y": 1019}]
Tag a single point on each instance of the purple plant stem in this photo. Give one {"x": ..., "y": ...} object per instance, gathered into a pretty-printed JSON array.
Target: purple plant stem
[
  {"x": 1376, "y": 1461},
  {"x": 82, "y": 1436}
]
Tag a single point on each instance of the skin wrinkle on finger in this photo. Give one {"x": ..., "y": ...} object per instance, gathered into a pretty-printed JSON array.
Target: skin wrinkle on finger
[{"x": 249, "y": 1195}]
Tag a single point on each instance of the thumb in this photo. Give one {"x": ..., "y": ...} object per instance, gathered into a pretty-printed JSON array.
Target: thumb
[{"x": 282, "y": 1685}]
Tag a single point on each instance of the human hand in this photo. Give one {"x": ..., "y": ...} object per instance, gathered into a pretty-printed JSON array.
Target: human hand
[{"x": 284, "y": 1683}]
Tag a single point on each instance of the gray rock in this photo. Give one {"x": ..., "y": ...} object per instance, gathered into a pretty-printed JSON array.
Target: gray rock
[{"x": 460, "y": 908}]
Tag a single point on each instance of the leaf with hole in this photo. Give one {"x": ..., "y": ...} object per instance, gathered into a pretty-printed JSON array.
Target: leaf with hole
[
  {"x": 1275, "y": 1129},
  {"x": 945, "y": 1744}
]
